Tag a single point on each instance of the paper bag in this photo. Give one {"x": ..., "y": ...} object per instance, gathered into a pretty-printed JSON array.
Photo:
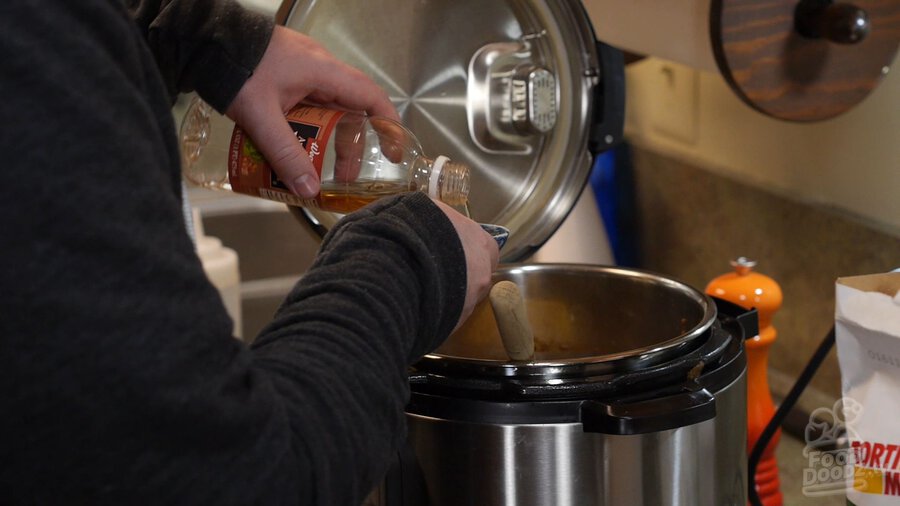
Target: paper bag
[{"x": 867, "y": 333}]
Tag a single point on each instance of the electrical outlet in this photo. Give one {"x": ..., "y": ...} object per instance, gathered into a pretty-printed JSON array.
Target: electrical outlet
[{"x": 674, "y": 101}]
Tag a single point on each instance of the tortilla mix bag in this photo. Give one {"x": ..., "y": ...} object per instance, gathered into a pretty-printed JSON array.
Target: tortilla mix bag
[{"x": 867, "y": 333}]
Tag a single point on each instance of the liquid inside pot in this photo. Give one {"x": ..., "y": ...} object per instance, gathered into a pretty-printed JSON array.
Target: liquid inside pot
[{"x": 578, "y": 316}]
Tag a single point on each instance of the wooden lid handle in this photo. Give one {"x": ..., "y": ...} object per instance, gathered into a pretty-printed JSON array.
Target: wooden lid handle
[
  {"x": 840, "y": 23},
  {"x": 512, "y": 321},
  {"x": 805, "y": 60}
]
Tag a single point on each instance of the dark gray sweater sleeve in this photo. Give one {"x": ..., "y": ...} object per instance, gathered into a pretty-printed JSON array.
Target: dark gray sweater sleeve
[
  {"x": 207, "y": 46},
  {"x": 119, "y": 380},
  {"x": 387, "y": 287}
]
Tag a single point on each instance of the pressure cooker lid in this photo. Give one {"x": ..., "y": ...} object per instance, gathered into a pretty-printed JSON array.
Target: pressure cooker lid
[{"x": 503, "y": 86}]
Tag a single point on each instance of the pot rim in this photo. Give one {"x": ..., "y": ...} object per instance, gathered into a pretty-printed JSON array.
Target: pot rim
[{"x": 587, "y": 366}]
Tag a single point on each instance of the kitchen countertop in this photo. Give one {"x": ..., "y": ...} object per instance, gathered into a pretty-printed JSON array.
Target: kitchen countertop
[{"x": 791, "y": 464}]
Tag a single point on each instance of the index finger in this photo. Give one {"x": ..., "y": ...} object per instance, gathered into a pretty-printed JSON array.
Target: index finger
[{"x": 350, "y": 88}]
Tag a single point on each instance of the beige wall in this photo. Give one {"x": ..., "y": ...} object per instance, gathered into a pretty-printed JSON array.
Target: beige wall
[
  {"x": 689, "y": 222},
  {"x": 811, "y": 202},
  {"x": 851, "y": 162}
]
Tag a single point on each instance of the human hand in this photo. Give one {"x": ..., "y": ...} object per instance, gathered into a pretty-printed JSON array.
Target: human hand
[
  {"x": 296, "y": 68},
  {"x": 482, "y": 255},
  {"x": 398, "y": 148}
]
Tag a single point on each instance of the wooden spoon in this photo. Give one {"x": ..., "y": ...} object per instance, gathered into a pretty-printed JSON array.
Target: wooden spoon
[{"x": 512, "y": 321}]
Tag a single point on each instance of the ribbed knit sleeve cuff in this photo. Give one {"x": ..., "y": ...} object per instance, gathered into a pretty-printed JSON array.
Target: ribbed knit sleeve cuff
[
  {"x": 226, "y": 61},
  {"x": 422, "y": 230},
  {"x": 207, "y": 46},
  {"x": 447, "y": 255}
]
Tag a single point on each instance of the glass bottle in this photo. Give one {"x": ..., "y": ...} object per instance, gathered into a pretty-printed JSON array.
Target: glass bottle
[{"x": 359, "y": 159}]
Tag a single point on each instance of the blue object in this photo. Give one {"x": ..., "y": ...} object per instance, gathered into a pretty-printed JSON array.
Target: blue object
[
  {"x": 499, "y": 233},
  {"x": 612, "y": 179}
]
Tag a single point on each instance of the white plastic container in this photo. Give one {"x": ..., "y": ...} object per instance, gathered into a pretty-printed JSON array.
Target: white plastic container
[{"x": 221, "y": 267}]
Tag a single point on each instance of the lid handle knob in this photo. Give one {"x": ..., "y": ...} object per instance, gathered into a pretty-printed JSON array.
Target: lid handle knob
[{"x": 841, "y": 23}]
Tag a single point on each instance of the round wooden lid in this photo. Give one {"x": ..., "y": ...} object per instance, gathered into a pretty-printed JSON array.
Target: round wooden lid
[{"x": 804, "y": 61}]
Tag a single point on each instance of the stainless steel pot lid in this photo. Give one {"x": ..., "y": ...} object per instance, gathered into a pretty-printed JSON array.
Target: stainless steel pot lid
[
  {"x": 503, "y": 86},
  {"x": 587, "y": 321}
]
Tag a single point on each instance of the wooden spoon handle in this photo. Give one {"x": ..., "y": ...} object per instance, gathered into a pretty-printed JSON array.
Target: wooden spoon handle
[{"x": 512, "y": 321}]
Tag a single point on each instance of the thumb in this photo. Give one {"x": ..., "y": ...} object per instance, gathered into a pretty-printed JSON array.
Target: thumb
[{"x": 280, "y": 147}]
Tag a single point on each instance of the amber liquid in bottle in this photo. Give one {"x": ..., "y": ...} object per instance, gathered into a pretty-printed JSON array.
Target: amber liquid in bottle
[
  {"x": 347, "y": 197},
  {"x": 349, "y": 141}
]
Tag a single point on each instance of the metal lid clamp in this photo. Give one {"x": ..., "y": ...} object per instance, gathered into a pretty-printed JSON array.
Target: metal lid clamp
[{"x": 509, "y": 98}]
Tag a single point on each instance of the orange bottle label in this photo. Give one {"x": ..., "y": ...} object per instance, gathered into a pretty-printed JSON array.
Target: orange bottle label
[{"x": 250, "y": 173}]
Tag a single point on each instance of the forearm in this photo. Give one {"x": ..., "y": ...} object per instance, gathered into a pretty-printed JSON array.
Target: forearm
[
  {"x": 387, "y": 287},
  {"x": 208, "y": 46}
]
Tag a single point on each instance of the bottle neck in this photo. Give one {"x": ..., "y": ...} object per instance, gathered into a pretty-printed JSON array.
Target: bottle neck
[{"x": 449, "y": 181}]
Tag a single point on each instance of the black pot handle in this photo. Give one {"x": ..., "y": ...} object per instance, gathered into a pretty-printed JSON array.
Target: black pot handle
[
  {"x": 651, "y": 415},
  {"x": 738, "y": 320},
  {"x": 608, "y": 100}
]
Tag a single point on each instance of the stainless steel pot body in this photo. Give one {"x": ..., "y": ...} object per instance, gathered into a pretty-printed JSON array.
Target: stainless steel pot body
[
  {"x": 560, "y": 464},
  {"x": 636, "y": 396}
]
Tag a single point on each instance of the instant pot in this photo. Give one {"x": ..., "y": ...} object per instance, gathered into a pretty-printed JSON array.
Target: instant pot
[
  {"x": 637, "y": 392},
  {"x": 636, "y": 396}
]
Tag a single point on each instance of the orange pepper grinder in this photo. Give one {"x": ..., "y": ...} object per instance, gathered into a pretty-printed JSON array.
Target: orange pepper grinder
[{"x": 749, "y": 290}]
